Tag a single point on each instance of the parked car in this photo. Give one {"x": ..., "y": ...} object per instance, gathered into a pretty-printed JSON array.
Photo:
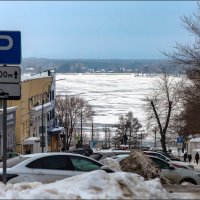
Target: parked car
[
  {"x": 179, "y": 164},
  {"x": 169, "y": 155},
  {"x": 48, "y": 167},
  {"x": 176, "y": 175},
  {"x": 104, "y": 154},
  {"x": 120, "y": 157},
  {"x": 10, "y": 155}
]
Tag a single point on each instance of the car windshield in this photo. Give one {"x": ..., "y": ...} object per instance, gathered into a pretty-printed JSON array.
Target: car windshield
[{"x": 14, "y": 161}]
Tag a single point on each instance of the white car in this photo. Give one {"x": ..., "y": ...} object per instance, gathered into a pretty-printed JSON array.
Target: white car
[{"x": 48, "y": 167}]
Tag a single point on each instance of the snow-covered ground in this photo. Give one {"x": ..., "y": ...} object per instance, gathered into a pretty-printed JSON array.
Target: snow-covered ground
[
  {"x": 96, "y": 185},
  {"x": 93, "y": 185}
]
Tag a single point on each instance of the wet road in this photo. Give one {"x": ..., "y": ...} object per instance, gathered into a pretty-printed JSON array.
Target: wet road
[{"x": 183, "y": 191}]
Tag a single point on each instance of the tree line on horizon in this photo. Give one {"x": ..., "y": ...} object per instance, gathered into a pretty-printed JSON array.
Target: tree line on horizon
[{"x": 116, "y": 66}]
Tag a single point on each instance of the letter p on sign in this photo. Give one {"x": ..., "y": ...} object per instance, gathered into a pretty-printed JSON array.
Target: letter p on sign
[
  {"x": 9, "y": 44},
  {"x": 10, "y": 47}
]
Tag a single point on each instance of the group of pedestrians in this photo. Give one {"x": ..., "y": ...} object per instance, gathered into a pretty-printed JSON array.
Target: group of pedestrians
[{"x": 189, "y": 156}]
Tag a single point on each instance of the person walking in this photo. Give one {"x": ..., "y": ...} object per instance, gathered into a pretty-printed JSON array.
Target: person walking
[
  {"x": 189, "y": 157},
  {"x": 185, "y": 156},
  {"x": 197, "y": 157}
]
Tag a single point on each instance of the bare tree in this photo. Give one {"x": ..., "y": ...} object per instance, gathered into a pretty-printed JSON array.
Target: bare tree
[
  {"x": 127, "y": 128},
  {"x": 188, "y": 55},
  {"x": 162, "y": 105},
  {"x": 70, "y": 110}
]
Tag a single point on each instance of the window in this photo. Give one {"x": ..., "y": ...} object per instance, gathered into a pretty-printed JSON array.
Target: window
[
  {"x": 14, "y": 161},
  {"x": 160, "y": 163},
  {"x": 83, "y": 164},
  {"x": 52, "y": 95},
  {"x": 59, "y": 162}
]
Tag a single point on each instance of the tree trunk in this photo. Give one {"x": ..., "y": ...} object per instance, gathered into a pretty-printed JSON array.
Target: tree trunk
[
  {"x": 164, "y": 130},
  {"x": 162, "y": 140},
  {"x": 163, "y": 143}
]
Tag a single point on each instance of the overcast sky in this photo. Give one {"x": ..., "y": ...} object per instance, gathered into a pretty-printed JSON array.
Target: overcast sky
[{"x": 97, "y": 29}]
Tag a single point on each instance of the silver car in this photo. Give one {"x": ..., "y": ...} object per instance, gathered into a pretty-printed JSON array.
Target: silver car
[
  {"x": 176, "y": 175},
  {"x": 48, "y": 167},
  {"x": 178, "y": 164}
]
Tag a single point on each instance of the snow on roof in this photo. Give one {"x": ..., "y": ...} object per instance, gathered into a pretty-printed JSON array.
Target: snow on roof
[{"x": 93, "y": 185}]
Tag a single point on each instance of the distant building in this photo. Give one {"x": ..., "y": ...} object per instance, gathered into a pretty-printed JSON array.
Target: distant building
[
  {"x": 36, "y": 108},
  {"x": 11, "y": 124}
]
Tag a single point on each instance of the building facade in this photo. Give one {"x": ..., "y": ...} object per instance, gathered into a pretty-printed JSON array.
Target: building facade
[
  {"x": 11, "y": 124},
  {"x": 35, "y": 114}
]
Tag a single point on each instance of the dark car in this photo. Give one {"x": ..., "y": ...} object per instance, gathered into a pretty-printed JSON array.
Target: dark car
[
  {"x": 169, "y": 155},
  {"x": 86, "y": 151}
]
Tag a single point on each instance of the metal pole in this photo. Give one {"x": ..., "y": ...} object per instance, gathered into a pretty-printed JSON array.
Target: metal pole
[
  {"x": 81, "y": 129},
  {"x": 155, "y": 138},
  {"x": 4, "y": 139},
  {"x": 42, "y": 141},
  {"x": 92, "y": 132}
]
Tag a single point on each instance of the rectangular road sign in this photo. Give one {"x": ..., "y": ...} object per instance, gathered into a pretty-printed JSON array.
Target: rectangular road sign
[
  {"x": 13, "y": 91},
  {"x": 10, "y": 47},
  {"x": 11, "y": 74}
]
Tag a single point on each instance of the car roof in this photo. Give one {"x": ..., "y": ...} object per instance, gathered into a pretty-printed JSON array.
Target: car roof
[
  {"x": 53, "y": 154},
  {"x": 150, "y": 156},
  {"x": 155, "y": 152}
]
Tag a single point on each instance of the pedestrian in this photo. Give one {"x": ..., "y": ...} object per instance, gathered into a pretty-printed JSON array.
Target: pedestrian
[
  {"x": 185, "y": 156},
  {"x": 197, "y": 157},
  {"x": 189, "y": 157}
]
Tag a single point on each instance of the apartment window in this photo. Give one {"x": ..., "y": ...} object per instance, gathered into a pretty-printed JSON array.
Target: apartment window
[
  {"x": 52, "y": 95},
  {"x": 1, "y": 103}
]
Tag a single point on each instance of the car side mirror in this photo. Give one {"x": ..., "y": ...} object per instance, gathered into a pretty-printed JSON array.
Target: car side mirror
[
  {"x": 171, "y": 167},
  {"x": 107, "y": 169}
]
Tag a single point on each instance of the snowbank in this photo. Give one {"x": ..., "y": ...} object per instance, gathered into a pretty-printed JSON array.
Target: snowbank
[
  {"x": 138, "y": 162},
  {"x": 93, "y": 185},
  {"x": 112, "y": 164}
]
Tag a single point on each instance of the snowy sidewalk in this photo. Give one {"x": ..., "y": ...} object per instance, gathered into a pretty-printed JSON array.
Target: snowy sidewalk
[{"x": 196, "y": 167}]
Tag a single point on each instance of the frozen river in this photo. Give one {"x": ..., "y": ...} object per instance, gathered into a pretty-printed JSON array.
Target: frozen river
[{"x": 110, "y": 95}]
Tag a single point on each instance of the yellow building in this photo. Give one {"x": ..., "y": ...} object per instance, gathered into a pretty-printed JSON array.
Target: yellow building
[{"x": 35, "y": 108}]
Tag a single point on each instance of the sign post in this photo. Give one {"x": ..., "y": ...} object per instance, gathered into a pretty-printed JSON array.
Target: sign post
[{"x": 10, "y": 77}]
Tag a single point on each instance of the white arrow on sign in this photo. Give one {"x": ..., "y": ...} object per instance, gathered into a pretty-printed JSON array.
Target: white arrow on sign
[{"x": 11, "y": 74}]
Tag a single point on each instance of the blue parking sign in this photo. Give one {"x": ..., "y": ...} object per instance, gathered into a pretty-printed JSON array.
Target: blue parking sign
[
  {"x": 10, "y": 47},
  {"x": 180, "y": 139}
]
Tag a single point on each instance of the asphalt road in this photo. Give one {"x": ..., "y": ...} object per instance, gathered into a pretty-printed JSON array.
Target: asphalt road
[{"x": 183, "y": 191}]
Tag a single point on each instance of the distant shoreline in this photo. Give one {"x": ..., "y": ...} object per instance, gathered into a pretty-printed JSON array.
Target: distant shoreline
[{"x": 112, "y": 73}]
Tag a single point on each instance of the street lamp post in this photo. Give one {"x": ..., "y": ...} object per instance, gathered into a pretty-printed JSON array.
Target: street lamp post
[
  {"x": 81, "y": 128},
  {"x": 42, "y": 142},
  {"x": 81, "y": 138},
  {"x": 92, "y": 131}
]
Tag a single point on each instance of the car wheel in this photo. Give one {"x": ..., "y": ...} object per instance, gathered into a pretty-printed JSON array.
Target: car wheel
[{"x": 188, "y": 182}]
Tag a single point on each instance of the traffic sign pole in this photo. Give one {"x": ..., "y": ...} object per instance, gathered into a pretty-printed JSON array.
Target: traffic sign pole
[
  {"x": 4, "y": 138},
  {"x": 10, "y": 54}
]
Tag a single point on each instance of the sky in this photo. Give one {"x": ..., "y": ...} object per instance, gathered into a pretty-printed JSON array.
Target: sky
[{"x": 97, "y": 29}]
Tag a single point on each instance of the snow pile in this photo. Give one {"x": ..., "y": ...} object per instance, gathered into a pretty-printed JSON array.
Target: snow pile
[
  {"x": 112, "y": 164},
  {"x": 93, "y": 185},
  {"x": 139, "y": 163}
]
